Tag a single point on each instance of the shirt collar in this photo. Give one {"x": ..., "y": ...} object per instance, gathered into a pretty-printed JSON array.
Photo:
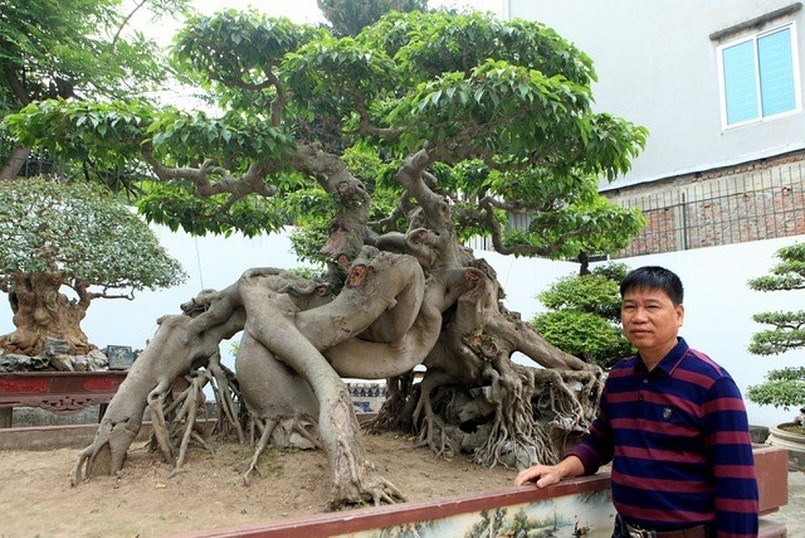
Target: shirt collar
[{"x": 668, "y": 363}]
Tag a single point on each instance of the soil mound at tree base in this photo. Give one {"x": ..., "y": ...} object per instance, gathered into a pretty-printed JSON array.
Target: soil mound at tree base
[{"x": 144, "y": 500}]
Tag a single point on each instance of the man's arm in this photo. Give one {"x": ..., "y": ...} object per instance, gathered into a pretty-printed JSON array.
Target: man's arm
[{"x": 730, "y": 452}]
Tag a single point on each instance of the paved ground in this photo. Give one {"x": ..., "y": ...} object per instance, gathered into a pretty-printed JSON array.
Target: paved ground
[{"x": 793, "y": 514}]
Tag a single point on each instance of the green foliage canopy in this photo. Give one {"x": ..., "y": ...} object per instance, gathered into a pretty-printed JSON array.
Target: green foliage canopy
[
  {"x": 349, "y": 17},
  {"x": 80, "y": 232},
  {"x": 584, "y": 315},
  {"x": 499, "y": 113},
  {"x": 74, "y": 48}
]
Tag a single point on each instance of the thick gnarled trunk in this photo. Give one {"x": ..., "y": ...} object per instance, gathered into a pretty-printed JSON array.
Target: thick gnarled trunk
[
  {"x": 404, "y": 299},
  {"x": 40, "y": 311}
]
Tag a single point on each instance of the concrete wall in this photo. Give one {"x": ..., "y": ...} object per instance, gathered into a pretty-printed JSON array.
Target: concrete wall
[
  {"x": 719, "y": 306},
  {"x": 657, "y": 67}
]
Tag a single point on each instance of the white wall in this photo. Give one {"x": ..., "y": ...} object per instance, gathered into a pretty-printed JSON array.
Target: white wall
[
  {"x": 718, "y": 303},
  {"x": 657, "y": 67}
]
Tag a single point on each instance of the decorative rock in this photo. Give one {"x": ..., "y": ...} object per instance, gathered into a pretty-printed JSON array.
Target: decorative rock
[
  {"x": 80, "y": 363},
  {"x": 55, "y": 346},
  {"x": 39, "y": 362},
  {"x": 97, "y": 360},
  {"x": 15, "y": 363},
  {"x": 63, "y": 363}
]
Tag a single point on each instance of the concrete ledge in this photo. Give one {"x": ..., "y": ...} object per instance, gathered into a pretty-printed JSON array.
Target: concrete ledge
[
  {"x": 388, "y": 520},
  {"x": 52, "y": 437}
]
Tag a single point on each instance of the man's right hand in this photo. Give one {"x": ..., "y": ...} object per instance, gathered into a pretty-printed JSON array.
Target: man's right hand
[
  {"x": 546, "y": 475},
  {"x": 543, "y": 475}
]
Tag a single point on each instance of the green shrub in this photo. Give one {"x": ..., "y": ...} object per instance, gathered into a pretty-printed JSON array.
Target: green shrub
[
  {"x": 584, "y": 319},
  {"x": 785, "y": 387}
]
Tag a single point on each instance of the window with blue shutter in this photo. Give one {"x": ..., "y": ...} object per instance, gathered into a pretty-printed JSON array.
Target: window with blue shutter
[
  {"x": 758, "y": 77},
  {"x": 740, "y": 82},
  {"x": 776, "y": 73}
]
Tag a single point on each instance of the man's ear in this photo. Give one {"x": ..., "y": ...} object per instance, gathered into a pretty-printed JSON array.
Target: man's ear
[{"x": 680, "y": 314}]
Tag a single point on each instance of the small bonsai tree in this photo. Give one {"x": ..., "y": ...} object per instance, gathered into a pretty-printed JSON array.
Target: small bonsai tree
[
  {"x": 584, "y": 319},
  {"x": 783, "y": 387},
  {"x": 63, "y": 245}
]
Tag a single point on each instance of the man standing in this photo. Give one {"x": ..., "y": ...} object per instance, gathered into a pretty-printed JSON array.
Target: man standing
[{"x": 674, "y": 425}]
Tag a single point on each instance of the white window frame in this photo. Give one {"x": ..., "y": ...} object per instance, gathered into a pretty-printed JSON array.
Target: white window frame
[{"x": 760, "y": 118}]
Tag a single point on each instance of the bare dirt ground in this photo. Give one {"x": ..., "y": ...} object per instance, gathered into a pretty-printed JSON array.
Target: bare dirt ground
[
  {"x": 144, "y": 501},
  {"x": 36, "y": 499}
]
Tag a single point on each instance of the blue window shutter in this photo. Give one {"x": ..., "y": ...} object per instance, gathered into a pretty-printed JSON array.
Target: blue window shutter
[
  {"x": 740, "y": 88},
  {"x": 776, "y": 75}
]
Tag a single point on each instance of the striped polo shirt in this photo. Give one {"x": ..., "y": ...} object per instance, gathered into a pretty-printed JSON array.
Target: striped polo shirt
[{"x": 678, "y": 439}]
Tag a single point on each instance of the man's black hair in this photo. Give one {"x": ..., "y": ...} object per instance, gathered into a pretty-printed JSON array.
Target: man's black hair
[{"x": 654, "y": 278}]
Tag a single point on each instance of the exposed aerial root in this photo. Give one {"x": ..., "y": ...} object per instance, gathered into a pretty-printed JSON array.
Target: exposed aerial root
[
  {"x": 193, "y": 396},
  {"x": 226, "y": 391},
  {"x": 285, "y": 428},
  {"x": 107, "y": 452},
  {"x": 156, "y": 403},
  {"x": 176, "y": 419},
  {"x": 363, "y": 486},
  {"x": 266, "y": 429}
]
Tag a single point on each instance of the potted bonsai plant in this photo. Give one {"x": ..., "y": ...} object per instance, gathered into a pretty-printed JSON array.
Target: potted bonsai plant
[{"x": 785, "y": 387}]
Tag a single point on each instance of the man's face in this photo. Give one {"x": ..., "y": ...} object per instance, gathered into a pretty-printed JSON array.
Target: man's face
[{"x": 651, "y": 321}]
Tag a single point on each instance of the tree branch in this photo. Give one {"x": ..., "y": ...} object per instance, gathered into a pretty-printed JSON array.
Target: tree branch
[
  {"x": 252, "y": 182},
  {"x": 16, "y": 85},
  {"x": 487, "y": 206},
  {"x": 123, "y": 24}
]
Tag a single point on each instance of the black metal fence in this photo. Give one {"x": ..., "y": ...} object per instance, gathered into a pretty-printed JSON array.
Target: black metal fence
[{"x": 750, "y": 205}]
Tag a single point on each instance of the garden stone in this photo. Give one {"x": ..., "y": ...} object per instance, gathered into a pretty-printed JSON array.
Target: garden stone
[
  {"x": 15, "y": 363},
  {"x": 39, "y": 362},
  {"x": 63, "y": 363},
  {"x": 97, "y": 360},
  {"x": 55, "y": 346},
  {"x": 80, "y": 363}
]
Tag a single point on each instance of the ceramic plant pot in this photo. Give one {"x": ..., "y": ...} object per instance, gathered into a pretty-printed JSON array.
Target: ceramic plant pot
[{"x": 782, "y": 436}]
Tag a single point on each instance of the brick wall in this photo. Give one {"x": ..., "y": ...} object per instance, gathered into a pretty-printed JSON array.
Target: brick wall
[{"x": 752, "y": 201}]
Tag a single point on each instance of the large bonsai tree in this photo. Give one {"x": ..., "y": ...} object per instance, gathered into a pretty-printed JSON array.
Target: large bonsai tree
[
  {"x": 784, "y": 387},
  {"x": 63, "y": 245},
  {"x": 387, "y": 149}
]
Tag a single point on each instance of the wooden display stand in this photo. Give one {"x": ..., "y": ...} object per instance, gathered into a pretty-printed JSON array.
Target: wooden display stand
[{"x": 57, "y": 392}]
